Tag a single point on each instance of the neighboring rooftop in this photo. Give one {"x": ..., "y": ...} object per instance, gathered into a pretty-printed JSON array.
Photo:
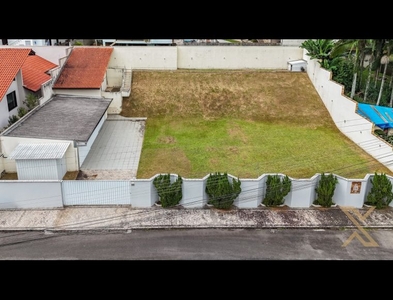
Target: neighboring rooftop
[
  {"x": 11, "y": 61},
  {"x": 85, "y": 68},
  {"x": 70, "y": 118},
  {"x": 34, "y": 72}
]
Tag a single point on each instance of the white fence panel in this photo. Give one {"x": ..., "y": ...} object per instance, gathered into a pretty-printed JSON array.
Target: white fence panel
[
  {"x": 96, "y": 192},
  {"x": 30, "y": 194}
]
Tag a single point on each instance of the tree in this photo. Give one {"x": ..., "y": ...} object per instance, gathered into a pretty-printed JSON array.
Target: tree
[
  {"x": 385, "y": 61},
  {"x": 318, "y": 49},
  {"x": 359, "y": 46},
  {"x": 371, "y": 61}
]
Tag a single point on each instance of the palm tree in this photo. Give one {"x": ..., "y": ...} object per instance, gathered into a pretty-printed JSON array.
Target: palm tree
[
  {"x": 347, "y": 47},
  {"x": 385, "y": 61},
  {"x": 371, "y": 61}
]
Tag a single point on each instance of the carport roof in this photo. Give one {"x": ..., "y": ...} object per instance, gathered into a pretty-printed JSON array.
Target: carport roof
[
  {"x": 39, "y": 151},
  {"x": 70, "y": 118}
]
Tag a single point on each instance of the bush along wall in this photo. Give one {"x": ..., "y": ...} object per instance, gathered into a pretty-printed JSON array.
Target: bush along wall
[
  {"x": 221, "y": 191},
  {"x": 325, "y": 190},
  {"x": 277, "y": 188},
  {"x": 169, "y": 193},
  {"x": 380, "y": 194}
]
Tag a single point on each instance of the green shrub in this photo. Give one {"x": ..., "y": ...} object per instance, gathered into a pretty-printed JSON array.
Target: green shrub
[
  {"x": 31, "y": 101},
  {"x": 170, "y": 193},
  {"x": 222, "y": 193},
  {"x": 381, "y": 193},
  {"x": 325, "y": 190},
  {"x": 12, "y": 119},
  {"x": 276, "y": 189},
  {"x": 22, "y": 111}
]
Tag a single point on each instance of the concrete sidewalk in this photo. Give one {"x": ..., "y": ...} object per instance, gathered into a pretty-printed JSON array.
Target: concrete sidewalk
[{"x": 121, "y": 218}]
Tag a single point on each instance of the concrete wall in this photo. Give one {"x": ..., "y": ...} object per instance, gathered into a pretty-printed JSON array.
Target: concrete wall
[
  {"x": 114, "y": 76},
  {"x": 343, "y": 112},
  {"x": 142, "y": 193},
  {"x": 83, "y": 150},
  {"x": 236, "y": 57},
  {"x": 291, "y": 42},
  {"x": 117, "y": 101},
  {"x": 142, "y": 57}
]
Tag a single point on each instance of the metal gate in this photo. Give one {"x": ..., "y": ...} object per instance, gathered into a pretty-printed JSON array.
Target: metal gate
[{"x": 96, "y": 192}]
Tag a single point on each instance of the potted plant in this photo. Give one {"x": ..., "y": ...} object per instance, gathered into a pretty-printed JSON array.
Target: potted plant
[
  {"x": 325, "y": 190},
  {"x": 169, "y": 193},
  {"x": 380, "y": 194},
  {"x": 221, "y": 191},
  {"x": 276, "y": 189}
]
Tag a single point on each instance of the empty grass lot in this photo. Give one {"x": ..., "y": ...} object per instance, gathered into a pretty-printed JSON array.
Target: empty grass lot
[{"x": 247, "y": 123}]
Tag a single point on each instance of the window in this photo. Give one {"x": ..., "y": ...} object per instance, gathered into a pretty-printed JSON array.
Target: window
[{"x": 11, "y": 100}]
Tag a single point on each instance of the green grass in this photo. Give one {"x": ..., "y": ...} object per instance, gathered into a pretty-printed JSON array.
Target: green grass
[
  {"x": 194, "y": 148},
  {"x": 246, "y": 123}
]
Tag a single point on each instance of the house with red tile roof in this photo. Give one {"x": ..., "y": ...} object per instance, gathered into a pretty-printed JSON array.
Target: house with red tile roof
[
  {"x": 21, "y": 72},
  {"x": 84, "y": 72},
  {"x": 12, "y": 93},
  {"x": 35, "y": 73}
]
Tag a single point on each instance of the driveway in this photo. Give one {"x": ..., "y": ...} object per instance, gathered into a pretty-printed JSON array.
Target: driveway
[{"x": 116, "y": 151}]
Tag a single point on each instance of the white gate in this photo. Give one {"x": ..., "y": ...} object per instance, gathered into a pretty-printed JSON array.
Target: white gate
[{"x": 96, "y": 192}]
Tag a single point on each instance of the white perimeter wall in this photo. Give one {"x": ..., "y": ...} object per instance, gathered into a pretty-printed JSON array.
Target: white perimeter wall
[
  {"x": 203, "y": 57},
  {"x": 144, "y": 57},
  {"x": 343, "y": 112},
  {"x": 236, "y": 57}
]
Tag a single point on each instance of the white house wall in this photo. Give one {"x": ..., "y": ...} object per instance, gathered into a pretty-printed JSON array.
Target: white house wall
[
  {"x": 16, "y": 86},
  {"x": 236, "y": 57},
  {"x": 9, "y": 143},
  {"x": 51, "y": 53}
]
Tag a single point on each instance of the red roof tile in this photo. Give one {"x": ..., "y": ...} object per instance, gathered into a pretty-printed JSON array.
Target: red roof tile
[
  {"x": 11, "y": 61},
  {"x": 34, "y": 72},
  {"x": 84, "y": 69}
]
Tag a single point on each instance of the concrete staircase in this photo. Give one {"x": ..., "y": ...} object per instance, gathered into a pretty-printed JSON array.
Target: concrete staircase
[{"x": 126, "y": 86}]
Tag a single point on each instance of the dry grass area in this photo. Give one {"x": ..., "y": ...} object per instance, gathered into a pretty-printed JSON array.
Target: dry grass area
[
  {"x": 266, "y": 96},
  {"x": 273, "y": 120}
]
